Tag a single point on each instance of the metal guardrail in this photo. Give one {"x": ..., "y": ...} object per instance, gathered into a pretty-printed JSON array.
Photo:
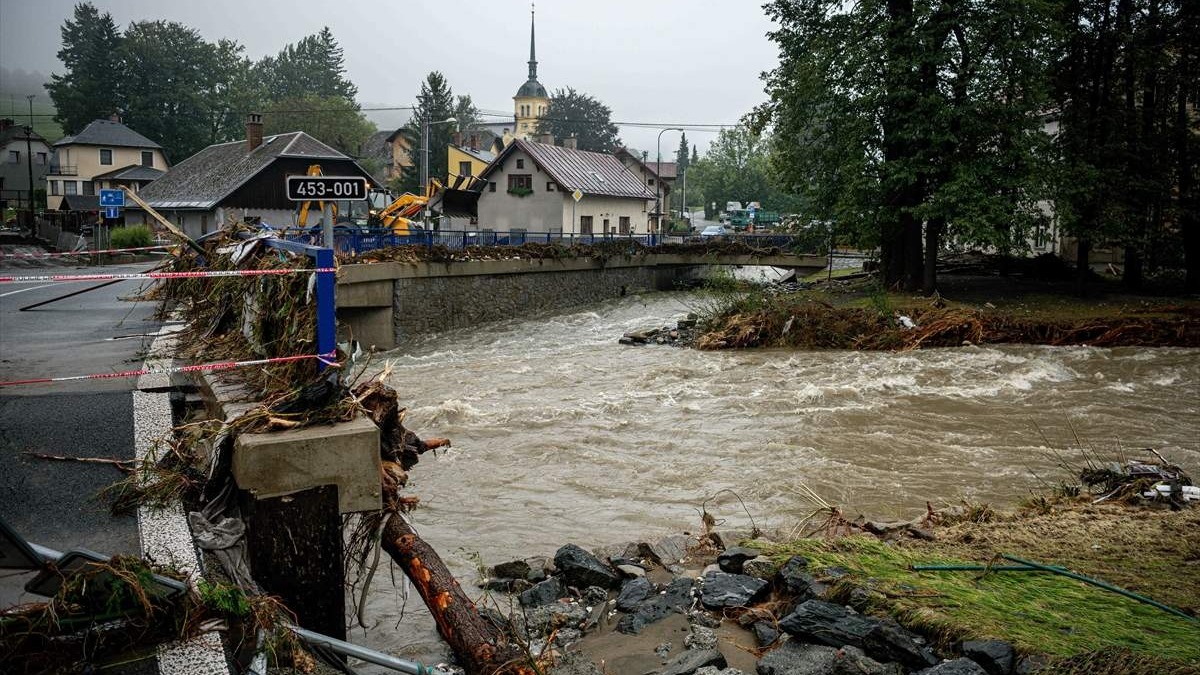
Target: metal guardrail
[{"x": 358, "y": 241}]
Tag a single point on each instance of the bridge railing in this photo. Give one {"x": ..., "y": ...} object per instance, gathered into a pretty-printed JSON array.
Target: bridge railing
[{"x": 356, "y": 241}]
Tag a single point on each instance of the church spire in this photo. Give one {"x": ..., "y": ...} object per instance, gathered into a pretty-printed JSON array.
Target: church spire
[{"x": 532, "y": 53}]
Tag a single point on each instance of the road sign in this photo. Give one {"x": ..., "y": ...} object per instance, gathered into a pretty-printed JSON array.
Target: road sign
[
  {"x": 112, "y": 212},
  {"x": 112, "y": 198},
  {"x": 313, "y": 188},
  {"x": 577, "y": 194}
]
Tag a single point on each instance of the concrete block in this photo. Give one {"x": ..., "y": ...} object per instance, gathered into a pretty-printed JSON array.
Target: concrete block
[
  {"x": 365, "y": 294},
  {"x": 345, "y": 455},
  {"x": 372, "y": 327}
]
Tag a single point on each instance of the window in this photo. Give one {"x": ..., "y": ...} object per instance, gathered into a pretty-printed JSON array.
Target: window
[
  {"x": 147, "y": 158},
  {"x": 70, "y": 187},
  {"x": 492, "y": 186},
  {"x": 520, "y": 182},
  {"x": 550, "y": 186},
  {"x": 105, "y": 157},
  {"x": 585, "y": 224},
  {"x": 54, "y": 187},
  {"x": 41, "y": 158},
  {"x": 649, "y": 181},
  {"x": 623, "y": 223},
  {"x": 14, "y": 156},
  {"x": 464, "y": 168},
  {"x": 203, "y": 223},
  {"x": 89, "y": 188},
  {"x": 520, "y": 164}
]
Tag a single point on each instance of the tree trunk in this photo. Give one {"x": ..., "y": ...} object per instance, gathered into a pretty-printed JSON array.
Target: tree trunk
[
  {"x": 1132, "y": 274},
  {"x": 933, "y": 239},
  {"x": 913, "y": 258},
  {"x": 478, "y": 644},
  {"x": 1082, "y": 248}
]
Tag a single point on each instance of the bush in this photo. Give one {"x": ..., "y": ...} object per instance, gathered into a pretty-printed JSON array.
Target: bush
[{"x": 131, "y": 236}]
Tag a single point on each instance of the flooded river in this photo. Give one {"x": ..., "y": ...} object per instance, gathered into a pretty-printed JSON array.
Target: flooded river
[{"x": 562, "y": 435}]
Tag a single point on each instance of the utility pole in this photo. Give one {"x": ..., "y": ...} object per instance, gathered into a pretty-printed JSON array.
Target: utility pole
[
  {"x": 29, "y": 165},
  {"x": 425, "y": 124}
]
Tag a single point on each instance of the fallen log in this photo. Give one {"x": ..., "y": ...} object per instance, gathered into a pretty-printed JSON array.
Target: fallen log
[{"x": 479, "y": 645}]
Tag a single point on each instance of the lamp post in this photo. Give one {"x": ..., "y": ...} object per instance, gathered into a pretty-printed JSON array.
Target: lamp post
[
  {"x": 658, "y": 182},
  {"x": 425, "y": 160}
]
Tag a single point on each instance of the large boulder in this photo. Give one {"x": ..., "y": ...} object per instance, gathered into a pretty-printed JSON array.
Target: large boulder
[
  {"x": 996, "y": 656},
  {"x": 723, "y": 590},
  {"x": 853, "y": 661},
  {"x": 516, "y": 569},
  {"x": 676, "y": 598},
  {"x": 732, "y": 559},
  {"x": 794, "y": 577},
  {"x": 582, "y": 569},
  {"x": 827, "y": 623},
  {"x": 633, "y": 593},
  {"x": 798, "y": 658},
  {"x": 667, "y": 551},
  {"x": 888, "y": 641},
  {"x": 955, "y": 667},
  {"x": 692, "y": 660}
]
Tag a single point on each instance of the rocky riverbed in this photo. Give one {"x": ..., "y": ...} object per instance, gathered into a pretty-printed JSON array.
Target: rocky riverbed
[{"x": 684, "y": 605}]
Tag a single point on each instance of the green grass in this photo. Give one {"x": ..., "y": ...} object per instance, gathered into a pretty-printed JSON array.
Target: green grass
[
  {"x": 1039, "y": 613},
  {"x": 822, "y": 275}
]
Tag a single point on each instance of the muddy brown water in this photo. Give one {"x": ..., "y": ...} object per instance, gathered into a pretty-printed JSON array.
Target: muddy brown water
[{"x": 562, "y": 435}]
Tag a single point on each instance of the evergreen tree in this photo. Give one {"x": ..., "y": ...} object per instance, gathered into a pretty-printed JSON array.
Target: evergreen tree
[
  {"x": 695, "y": 156},
  {"x": 333, "y": 120},
  {"x": 314, "y": 66},
  {"x": 435, "y": 103},
  {"x": 573, "y": 113},
  {"x": 681, "y": 155},
  {"x": 236, "y": 91},
  {"x": 91, "y": 87}
]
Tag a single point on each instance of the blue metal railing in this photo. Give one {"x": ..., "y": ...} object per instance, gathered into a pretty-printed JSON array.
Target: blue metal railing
[{"x": 356, "y": 241}]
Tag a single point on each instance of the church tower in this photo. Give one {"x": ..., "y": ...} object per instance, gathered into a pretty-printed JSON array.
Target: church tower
[{"x": 531, "y": 101}]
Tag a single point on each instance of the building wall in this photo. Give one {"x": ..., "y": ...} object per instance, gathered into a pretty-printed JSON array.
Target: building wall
[
  {"x": 14, "y": 175},
  {"x": 456, "y": 156},
  {"x": 401, "y": 153},
  {"x": 610, "y": 208},
  {"x": 84, "y": 162},
  {"x": 541, "y": 211},
  {"x": 528, "y": 111}
]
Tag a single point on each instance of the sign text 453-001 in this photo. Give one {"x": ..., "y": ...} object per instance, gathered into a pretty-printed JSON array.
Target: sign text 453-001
[{"x": 305, "y": 188}]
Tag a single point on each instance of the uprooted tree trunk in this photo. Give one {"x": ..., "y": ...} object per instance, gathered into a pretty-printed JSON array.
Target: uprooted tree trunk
[{"x": 479, "y": 644}]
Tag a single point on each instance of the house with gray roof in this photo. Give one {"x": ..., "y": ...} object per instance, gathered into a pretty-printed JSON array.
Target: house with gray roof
[
  {"x": 18, "y": 158},
  {"x": 531, "y": 187},
  {"x": 87, "y": 161},
  {"x": 244, "y": 180}
]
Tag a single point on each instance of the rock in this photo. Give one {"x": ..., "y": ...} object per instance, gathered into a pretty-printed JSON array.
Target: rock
[
  {"x": 797, "y": 658},
  {"x": 496, "y": 618},
  {"x": 644, "y": 334},
  {"x": 567, "y": 636},
  {"x": 503, "y": 585},
  {"x": 663, "y": 650},
  {"x": 730, "y": 590},
  {"x": 765, "y": 632},
  {"x": 544, "y": 593},
  {"x": 516, "y": 569},
  {"x": 955, "y": 667},
  {"x": 759, "y": 568},
  {"x": 853, "y": 661},
  {"x": 732, "y": 559},
  {"x": 666, "y": 551},
  {"x": 996, "y": 656},
  {"x": 888, "y": 641},
  {"x": 574, "y": 663},
  {"x": 536, "y": 576},
  {"x": 701, "y": 638},
  {"x": 625, "y": 340},
  {"x": 677, "y": 597},
  {"x": 1028, "y": 665},
  {"x": 827, "y": 623},
  {"x": 594, "y": 595},
  {"x": 795, "y": 578},
  {"x": 684, "y": 324},
  {"x": 700, "y": 617},
  {"x": 692, "y": 660},
  {"x": 537, "y": 622},
  {"x": 713, "y": 670},
  {"x": 631, "y": 571},
  {"x": 632, "y": 593},
  {"x": 582, "y": 569}
]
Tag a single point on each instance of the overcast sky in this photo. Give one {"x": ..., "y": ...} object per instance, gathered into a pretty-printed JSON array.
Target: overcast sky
[{"x": 660, "y": 61}]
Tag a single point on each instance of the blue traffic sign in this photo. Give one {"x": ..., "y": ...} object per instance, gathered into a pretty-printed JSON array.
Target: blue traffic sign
[
  {"x": 112, "y": 198},
  {"x": 112, "y": 212}
]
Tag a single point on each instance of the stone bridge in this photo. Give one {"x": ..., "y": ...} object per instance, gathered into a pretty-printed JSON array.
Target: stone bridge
[{"x": 384, "y": 304}]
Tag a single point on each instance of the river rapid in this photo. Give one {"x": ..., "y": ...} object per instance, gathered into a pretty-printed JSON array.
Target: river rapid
[{"x": 562, "y": 435}]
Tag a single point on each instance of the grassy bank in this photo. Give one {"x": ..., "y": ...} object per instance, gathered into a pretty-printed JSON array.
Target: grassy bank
[
  {"x": 857, "y": 314},
  {"x": 1083, "y": 628}
]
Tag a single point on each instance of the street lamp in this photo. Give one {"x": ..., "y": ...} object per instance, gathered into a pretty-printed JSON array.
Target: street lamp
[
  {"x": 425, "y": 163},
  {"x": 658, "y": 181}
]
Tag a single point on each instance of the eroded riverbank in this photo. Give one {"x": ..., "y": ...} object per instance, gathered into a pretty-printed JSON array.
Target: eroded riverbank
[{"x": 563, "y": 435}]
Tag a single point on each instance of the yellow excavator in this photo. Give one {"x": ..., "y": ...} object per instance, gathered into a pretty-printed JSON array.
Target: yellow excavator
[{"x": 401, "y": 214}]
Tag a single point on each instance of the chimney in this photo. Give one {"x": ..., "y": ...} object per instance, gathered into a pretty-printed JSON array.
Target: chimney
[
  {"x": 115, "y": 117},
  {"x": 456, "y": 138},
  {"x": 571, "y": 143},
  {"x": 254, "y": 136},
  {"x": 474, "y": 142},
  {"x": 546, "y": 139}
]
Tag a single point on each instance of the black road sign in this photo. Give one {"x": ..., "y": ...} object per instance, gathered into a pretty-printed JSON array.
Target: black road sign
[{"x": 314, "y": 188}]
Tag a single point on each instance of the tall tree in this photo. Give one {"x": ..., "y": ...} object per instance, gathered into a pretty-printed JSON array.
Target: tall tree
[
  {"x": 236, "y": 91},
  {"x": 330, "y": 119},
  {"x": 435, "y": 104},
  {"x": 91, "y": 86},
  {"x": 574, "y": 113},
  {"x": 695, "y": 156},
  {"x": 681, "y": 155},
  {"x": 169, "y": 72},
  {"x": 313, "y": 66}
]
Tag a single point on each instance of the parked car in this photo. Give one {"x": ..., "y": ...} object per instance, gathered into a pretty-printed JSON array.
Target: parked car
[{"x": 714, "y": 231}]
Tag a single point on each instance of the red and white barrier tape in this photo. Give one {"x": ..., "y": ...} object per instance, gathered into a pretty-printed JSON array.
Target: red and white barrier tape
[
  {"x": 327, "y": 359},
  {"x": 161, "y": 275},
  {"x": 60, "y": 254}
]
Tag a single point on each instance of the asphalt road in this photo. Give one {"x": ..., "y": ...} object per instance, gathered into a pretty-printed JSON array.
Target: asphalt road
[{"x": 51, "y": 502}]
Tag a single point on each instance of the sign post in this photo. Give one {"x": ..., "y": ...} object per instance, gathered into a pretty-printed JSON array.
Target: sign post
[
  {"x": 326, "y": 188},
  {"x": 575, "y": 196}
]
